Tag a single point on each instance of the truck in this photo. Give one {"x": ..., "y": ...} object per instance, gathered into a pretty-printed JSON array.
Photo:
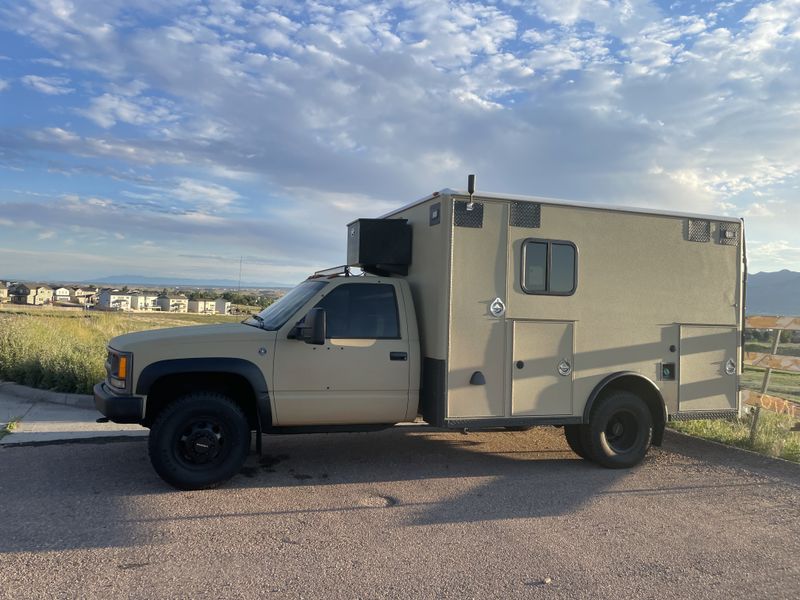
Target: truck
[{"x": 461, "y": 311}]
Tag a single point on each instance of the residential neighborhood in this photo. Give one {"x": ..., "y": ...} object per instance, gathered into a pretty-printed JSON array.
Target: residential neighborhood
[{"x": 208, "y": 302}]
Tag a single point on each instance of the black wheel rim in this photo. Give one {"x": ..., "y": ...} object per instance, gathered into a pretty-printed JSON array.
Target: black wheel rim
[
  {"x": 202, "y": 442},
  {"x": 622, "y": 432}
]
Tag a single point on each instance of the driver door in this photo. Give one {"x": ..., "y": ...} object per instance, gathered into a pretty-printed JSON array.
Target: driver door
[{"x": 360, "y": 375}]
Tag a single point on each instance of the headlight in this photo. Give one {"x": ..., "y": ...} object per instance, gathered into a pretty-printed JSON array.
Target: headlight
[{"x": 118, "y": 368}]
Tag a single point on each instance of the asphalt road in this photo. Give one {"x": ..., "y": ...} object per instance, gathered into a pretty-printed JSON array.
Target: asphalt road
[{"x": 404, "y": 513}]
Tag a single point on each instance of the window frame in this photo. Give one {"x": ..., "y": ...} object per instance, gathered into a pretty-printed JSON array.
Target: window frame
[
  {"x": 393, "y": 287},
  {"x": 548, "y": 267}
]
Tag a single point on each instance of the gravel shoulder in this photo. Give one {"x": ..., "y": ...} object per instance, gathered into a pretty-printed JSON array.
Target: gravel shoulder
[{"x": 404, "y": 513}]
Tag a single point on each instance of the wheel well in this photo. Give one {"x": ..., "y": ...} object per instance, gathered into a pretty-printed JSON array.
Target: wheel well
[
  {"x": 169, "y": 387},
  {"x": 644, "y": 389}
]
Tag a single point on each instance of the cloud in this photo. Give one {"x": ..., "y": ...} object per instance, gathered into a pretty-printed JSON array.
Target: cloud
[
  {"x": 52, "y": 86},
  {"x": 307, "y": 113},
  {"x": 160, "y": 232},
  {"x": 757, "y": 210},
  {"x": 46, "y": 235},
  {"x": 205, "y": 194},
  {"x": 3, "y": 84},
  {"x": 108, "y": 109},
  {"x": 774, "y": 255}
]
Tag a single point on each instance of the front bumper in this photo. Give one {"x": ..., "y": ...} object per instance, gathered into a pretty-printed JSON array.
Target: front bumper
[{"x": 120, "y": 409}]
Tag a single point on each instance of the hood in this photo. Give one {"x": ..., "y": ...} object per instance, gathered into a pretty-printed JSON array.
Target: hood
[{"x": 196, "y": 334}]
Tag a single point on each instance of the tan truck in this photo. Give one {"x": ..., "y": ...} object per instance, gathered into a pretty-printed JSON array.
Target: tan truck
[{"x": 471, "y": 312}]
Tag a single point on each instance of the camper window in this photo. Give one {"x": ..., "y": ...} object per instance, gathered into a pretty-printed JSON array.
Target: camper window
[{"x": 549, "y": 267}]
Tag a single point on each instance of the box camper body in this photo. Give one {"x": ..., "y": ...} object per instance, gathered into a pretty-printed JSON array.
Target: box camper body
[
  {"x": 526, "y": 306},
  {"x": 471, "y": 312}
]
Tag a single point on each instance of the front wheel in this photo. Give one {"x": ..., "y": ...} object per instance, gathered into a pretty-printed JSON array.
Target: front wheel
[
  {"x": 619, "y": 431},
  {"x": 199, "y": 441}
]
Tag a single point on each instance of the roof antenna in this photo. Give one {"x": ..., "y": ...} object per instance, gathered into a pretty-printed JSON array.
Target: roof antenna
[{"x": 470, "y": 190}]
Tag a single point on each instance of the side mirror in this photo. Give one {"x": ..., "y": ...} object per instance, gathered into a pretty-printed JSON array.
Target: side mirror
[{"x": 314, "y": 330}]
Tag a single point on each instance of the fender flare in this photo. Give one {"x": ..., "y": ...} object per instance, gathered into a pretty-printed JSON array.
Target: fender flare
[
  {"x": 237, "y": 366},
  {"x": 652, "y": 396}
]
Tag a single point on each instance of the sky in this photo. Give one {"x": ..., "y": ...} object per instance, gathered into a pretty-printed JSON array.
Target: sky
[{"x": 169, "y": 138}]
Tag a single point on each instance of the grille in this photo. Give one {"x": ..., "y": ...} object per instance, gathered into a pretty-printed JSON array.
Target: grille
[
  {"x": 728, "y": 233},
  {"x": 525, "y": 214},
  {"x": 699, "y": 230},
  {"x": 468, "y": 218}
]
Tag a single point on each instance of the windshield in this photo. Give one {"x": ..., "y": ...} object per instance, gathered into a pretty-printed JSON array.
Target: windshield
[{"x": 276, "y": 314}]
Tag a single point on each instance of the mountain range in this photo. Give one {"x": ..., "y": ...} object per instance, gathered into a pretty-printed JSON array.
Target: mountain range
[{"x": 773, "y": 293}]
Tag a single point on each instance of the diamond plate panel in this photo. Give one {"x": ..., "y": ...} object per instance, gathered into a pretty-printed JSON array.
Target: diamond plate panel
[
  {"x": 728, "y": 233},
  {"x": 468, "y": 218},
  {"x": 699, "y": 230},
  {"x": 525, "y": 214}
]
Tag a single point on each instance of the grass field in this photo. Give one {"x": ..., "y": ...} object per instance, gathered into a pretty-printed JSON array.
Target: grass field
[
  {"x": 64, "y": 350},
  {"x": 773, "y": 438}
]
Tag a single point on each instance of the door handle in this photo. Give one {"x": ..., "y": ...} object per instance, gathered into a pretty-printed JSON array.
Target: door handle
[{"x": 398, "y": 355}]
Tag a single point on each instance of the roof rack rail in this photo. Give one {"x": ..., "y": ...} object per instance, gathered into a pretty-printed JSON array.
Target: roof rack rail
[{"x": 332, "y": 272}]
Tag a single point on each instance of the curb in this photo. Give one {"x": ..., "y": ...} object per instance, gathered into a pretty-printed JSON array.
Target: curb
[{"x": 37, "y": 395}]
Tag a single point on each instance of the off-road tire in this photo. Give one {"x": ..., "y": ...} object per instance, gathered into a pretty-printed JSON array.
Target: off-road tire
[
  {"x": 573, "y": 435},
  {"x": 619, "y": 431},
  {"x": 199, "y": 441}
]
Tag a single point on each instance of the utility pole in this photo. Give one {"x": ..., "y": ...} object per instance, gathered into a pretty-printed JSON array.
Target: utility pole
[{"x": 241, "y": 258}]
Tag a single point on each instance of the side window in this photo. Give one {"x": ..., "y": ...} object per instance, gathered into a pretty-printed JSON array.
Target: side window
[
  {"x": 549, "y": 267},
  {"x": 362, "y": 311}
]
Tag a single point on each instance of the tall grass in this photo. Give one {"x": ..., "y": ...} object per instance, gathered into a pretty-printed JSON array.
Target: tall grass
[
  {"x": 773, "y": 434},
  {"x": 65, "y": 350}
]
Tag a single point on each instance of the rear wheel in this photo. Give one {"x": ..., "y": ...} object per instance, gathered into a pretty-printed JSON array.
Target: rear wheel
[
  {"x": 573, "y": 435},
  {"x": 199, "y": 441},
  {"x": 619, "y": 431}
]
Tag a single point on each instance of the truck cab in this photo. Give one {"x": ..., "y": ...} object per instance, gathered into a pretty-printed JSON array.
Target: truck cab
[{"x": 337, "y": 353}]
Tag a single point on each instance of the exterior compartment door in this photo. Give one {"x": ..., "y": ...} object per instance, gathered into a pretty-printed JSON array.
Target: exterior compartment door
[
  {"x": 541, "y": 368},
  {"x": 476, "y": 377},
  {"x": 706, "y": 352}
]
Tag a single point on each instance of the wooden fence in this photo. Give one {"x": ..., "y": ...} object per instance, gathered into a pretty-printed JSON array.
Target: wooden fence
[{"x": 768, "y": 362}]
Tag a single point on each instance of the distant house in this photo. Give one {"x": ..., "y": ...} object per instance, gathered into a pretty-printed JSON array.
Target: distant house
[
  {"x": 223, "y": 306},
  {"x": 173, "y": 303},
  {"x": 206, "y": 307},
  {"x": 144, "y": 300},
  {"x": 3, "y": 292},
  {"x": 111, "y": 299},
  {"x": 34, "y": 293},
  {"x": 61, "y": 294},
  {"x": 85, "y": 296}
]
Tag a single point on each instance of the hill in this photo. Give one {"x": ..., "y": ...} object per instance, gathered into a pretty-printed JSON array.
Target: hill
[{"x": 773, "y": 293}]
